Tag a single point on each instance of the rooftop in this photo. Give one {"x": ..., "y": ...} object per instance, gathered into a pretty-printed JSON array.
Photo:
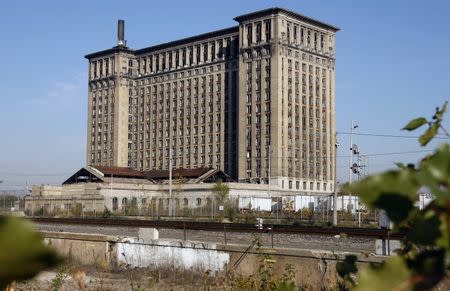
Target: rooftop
[
  {"x": 276, "y": 10},
  {"x": 229, "y": 30}
]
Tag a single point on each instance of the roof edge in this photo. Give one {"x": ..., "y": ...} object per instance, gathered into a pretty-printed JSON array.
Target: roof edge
[
  {"x": 189, "y": 39},
  {"x": 115, "y": 49},
  {"x": 275, "y": 10}
]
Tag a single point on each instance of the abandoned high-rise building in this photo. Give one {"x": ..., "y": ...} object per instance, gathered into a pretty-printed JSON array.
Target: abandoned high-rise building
[{"x": 255, "y": 100}]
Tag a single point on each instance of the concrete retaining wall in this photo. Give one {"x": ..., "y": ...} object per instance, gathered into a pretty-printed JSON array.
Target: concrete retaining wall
[
  {"x": 313, "y": 268},
  {"x": 165, "y": 254}
]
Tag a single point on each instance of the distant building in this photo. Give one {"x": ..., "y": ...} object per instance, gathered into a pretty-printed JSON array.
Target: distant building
[
  {"x": 92, "y": 189},
  {"x": 256, "y": 101}
]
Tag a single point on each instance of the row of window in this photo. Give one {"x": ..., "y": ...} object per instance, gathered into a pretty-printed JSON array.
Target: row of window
[
  {"x": 319, "y": 185},
  {"x": 133, "y": 202},
  {"x": 296, "y": 34},
  {"x": 192, "y": 55},
  {"x": 260, "y": 31}
]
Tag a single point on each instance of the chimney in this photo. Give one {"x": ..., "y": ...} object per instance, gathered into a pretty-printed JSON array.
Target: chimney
[{"x": 121, "y": 33}]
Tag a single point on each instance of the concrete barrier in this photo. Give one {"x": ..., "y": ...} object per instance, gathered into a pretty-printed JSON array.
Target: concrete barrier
[{"x": 312, "y": 267}]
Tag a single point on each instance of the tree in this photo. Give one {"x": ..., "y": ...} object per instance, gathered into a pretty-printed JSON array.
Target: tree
[
  {"x": 421, "y": 262},
  {"x": 221, "y": 191}
]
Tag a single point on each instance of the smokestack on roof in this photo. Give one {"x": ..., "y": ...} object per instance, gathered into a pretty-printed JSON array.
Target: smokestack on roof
[{"x": 121, "y": 33}]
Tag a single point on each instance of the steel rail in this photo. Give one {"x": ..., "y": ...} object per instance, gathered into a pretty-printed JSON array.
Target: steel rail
[{"x": 230, "y": 227}]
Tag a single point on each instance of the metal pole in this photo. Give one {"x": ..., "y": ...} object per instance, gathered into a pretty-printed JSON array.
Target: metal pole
[
  {"x": 110, "y": 191},
  {"x": 335, "y": 220},
  {"x": 272, "y": 235},
  {"x": 170, "y": 181},
  {"x": 350, "y": 165},
  {"x": 269, "y": 178},
  {"x": 225, "y": 233}
]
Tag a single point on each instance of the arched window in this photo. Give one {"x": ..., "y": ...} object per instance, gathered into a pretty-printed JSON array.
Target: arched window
[
  {"x": 144, "y": 201},
  {"x": 115, "y": 204},
  {"x": 185, "y": 202},
  {"x": 124, "y": 202},
  {"x": 199, "y": 201}
]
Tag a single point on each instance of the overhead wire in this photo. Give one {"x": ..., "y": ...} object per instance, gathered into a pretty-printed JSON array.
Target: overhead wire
[{"x": 387, "y": 135}]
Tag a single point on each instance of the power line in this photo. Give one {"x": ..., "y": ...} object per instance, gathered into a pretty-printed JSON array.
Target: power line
[
  {"x": 345, "y": 156},
  {"x": 34, "y": 175},
  {"x": 398, "y": 153},
  {"x": 389, "y": 135},
  {"x": 253, "y": 157}
]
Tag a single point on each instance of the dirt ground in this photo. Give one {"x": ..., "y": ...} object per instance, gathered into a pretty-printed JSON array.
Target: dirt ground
[{"x": 91, "y": 279}]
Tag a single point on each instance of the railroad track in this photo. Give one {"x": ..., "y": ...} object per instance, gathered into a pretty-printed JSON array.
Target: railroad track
[{"x": 231, "y": 227}]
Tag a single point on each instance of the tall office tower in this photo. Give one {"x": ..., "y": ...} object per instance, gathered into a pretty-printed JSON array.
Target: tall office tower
[{"x": 244, "y": 99}]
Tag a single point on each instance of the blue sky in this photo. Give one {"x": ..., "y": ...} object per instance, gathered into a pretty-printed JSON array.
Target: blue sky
[{"x": 393, "y": 64}]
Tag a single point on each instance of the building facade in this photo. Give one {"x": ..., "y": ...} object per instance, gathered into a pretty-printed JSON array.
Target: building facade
[{"x": 255, "y": 100}]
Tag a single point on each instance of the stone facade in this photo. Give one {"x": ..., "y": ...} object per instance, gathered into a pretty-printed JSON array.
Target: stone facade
[{"x": 255, "y": 100}]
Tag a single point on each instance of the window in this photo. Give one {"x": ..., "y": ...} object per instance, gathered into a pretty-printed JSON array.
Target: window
[
  {"x": 124, "y": 203},
  {"x": 267, "y": 30},
  {"x": 258, "y": 32},
  {"x": 249, "y": 34},
  {"x": 199, "y": 201},
  {"x": 115, "y": 203}
]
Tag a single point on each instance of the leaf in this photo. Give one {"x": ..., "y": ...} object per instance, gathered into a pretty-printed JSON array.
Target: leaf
[
  {"x": 425, "y": 138},
  {"x": 393, "y": 274},
  {"x": 400, "y": 165},
  {"x": 425, "y": 230},
  {"x": 401, "y": 181},
  {"x": 22, "y": 252},
  {"x": 428, "y": 268},
  {"x": 443, "y": 241},
  {"x": 435, "y": 171},
  {"x": 415, "y": 123},
  {"x": 440, "y": 112},
  {"x": 396, "y": 206}
]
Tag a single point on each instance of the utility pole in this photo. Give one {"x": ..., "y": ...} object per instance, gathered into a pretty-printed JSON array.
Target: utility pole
[
  {"x": 268, "y": 175},
  {"x": 110, "y": 191},
  {"x": 335, "y": 184},
  {"x": 170, "y": 182},
  {"x": 353, "y": 126},
  {"x": 3, "y": 196}
]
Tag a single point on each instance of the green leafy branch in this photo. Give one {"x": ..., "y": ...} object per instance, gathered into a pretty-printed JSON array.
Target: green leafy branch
[
  {"x": 421, "y": 262},
  {"x": 433, "y": 125}
]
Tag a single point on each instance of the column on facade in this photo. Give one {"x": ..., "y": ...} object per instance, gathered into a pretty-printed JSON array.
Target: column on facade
[
  {"x": 188, "y": 56},
  {"x": 208, "y": 52}
]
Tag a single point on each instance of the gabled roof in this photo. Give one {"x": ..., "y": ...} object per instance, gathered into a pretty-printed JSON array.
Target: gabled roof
[
  {"x": 105, "y": 174},
  {"x": 121, "y": 172},
  {"x": 176, "y": 173},
  {"x": 84, "y": 175}
]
